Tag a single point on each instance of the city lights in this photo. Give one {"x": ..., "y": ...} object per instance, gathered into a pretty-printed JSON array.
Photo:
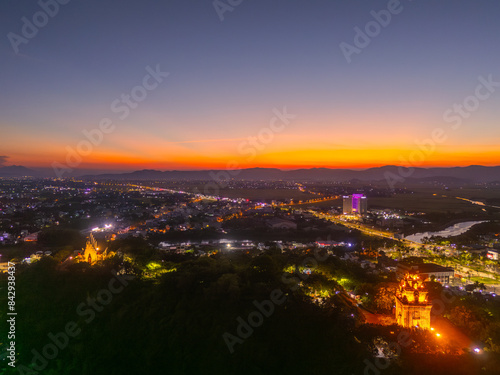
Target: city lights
[{"x": 250, "y": 187}]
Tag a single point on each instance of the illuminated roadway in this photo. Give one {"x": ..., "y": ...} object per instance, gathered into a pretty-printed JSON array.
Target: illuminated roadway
[{"x": 362, "y": 228}]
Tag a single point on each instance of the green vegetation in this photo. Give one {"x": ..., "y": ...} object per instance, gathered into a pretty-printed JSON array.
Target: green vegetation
[
  {"x": 173, "y": 310},
  {"x": 56, "y": 238},
  {"x": 479, "y": 318},
  {"x": 426, "y": 202},
  {"x": 176, "y": 320},
  {"x": 483, "y": 280}
]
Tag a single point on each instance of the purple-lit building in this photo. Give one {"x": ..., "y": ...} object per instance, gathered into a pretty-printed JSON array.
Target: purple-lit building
[{"x": 355, "y": 204}]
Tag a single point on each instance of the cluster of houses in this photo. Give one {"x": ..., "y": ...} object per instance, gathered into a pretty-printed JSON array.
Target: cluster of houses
[{"x": 226, "y": 245}]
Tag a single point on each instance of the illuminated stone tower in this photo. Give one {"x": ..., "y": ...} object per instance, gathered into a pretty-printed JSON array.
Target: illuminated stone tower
[
  {"x": 412, "y": 306},
  {"x": 91, "y": 253}
]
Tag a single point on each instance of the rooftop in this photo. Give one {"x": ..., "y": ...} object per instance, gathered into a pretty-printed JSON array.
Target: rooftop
[{"x": 426, "y": 267}]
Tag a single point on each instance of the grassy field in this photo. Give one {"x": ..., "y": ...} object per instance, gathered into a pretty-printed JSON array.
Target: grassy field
[
  {"x": 422, "y": 200},
  {"x": 472, "y": 193},
  {"x": 323, "y": 205},
  {"x": 482, "y": 280},
  {"x": 425, "y": 202},
  {"x": 268, "y": 194}
]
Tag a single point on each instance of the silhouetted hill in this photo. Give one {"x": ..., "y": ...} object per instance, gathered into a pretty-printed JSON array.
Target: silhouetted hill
[
  {"x": 473, "y": 173},
  {"x": 16, "y": 171}
]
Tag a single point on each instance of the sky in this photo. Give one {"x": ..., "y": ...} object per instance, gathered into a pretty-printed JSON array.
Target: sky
[{"x": 285, "y": 84}]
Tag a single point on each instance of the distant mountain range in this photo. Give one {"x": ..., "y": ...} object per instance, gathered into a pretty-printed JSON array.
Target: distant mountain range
[
  {"x": 473, "y": 173},
  {"x": 17, "y": 171}
]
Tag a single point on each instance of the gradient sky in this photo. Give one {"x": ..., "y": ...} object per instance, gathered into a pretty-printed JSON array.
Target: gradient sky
[{"x": 227, "y": 77}]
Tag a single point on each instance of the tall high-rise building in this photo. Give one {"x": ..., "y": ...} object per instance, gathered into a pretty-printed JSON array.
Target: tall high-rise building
[
  {"x": 347, "y": 204},
  {"x": 359, "y": 204},
  {"x": 355, "y": 204}
]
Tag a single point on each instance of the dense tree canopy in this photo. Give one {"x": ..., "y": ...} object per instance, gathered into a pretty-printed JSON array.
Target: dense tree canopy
[{"x": 219, "y": 314}]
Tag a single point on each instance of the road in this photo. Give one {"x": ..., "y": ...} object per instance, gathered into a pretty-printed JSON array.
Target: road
[
  {"x": 449, "y": 335},
  {"x": 363, "y": 228},
  {"x": 382, "y": 234}
]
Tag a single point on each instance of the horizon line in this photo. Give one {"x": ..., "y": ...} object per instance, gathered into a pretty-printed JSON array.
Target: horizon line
[{"x": 283, "y": 169}]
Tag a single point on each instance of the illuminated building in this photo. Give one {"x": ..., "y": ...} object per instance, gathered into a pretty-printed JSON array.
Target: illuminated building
[
  {"x": 413, "y": 308},
  {"x": 492, "y": 254},
  {"x": 355, "y": 204},
  {"x": 347, "y": 204},
  {"x": 91, "y": 253},
  {"x": 277, "y": 223},
  {"x": 426, "y": 271}
]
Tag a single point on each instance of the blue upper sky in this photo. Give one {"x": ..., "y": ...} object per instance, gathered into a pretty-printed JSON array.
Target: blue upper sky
[{"x": 226, "y": 77}]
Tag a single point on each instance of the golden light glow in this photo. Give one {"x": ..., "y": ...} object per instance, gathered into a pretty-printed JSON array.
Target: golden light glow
[{"x": 299, "y": 148}]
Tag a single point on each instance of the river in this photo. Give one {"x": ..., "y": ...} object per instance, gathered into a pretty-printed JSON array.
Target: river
[{"x": 453, "y": 230}]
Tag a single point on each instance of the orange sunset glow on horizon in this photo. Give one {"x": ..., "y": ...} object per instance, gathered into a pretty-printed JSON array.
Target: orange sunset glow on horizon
[{"x": 245, "y": 99}]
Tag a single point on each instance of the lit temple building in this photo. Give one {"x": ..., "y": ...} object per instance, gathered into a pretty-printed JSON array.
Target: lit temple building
[
  {"x": 91, "y": 253},
  {"x": 426, "y": 271},
  {"x": 412, "y": 306},
  {"x": 355, "y": 204}
]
